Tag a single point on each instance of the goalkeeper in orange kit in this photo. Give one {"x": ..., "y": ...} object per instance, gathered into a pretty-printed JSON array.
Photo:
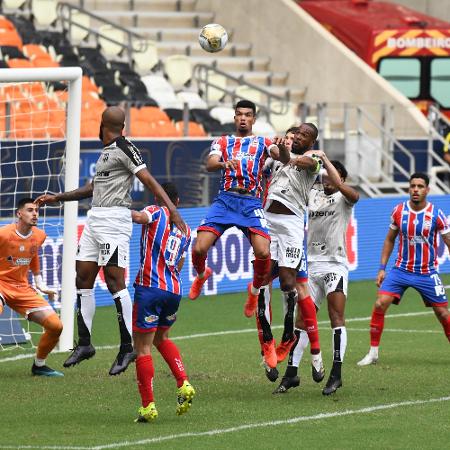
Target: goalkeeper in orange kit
[{"x": 19, "y": 245}]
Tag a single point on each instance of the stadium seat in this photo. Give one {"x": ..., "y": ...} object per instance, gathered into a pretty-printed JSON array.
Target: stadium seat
[
  {"x": 161, "y": 91},
  {"x": 263, "y": 128},
  {"x": 192, "y": 99},
  {"x": 141, "y": 128},
  {"x": 11, "y": 51},
  {"x": 209, "y": 124},
  {"x": 223, "y": 114},
  {"x": 194, "y": 129},
  {"x": 165, "y": 129},
  {"x": 178, "y": 69},
  {"x": 247, "y": 93},
  {"x": 146, "y": 61},
  {"x": 281, "y": 122},
  {"x": 12, "y": 4},
  {"x": 108, "y": 47},
  {"x": 19, "y": 63},
  {"x": 77, "y": 33},
  {"x": 44, "y": 12},
  {"x": 89, "y": 128},
  {"x": 25, "y": 29},
  {"x": 214, "y": 94}
]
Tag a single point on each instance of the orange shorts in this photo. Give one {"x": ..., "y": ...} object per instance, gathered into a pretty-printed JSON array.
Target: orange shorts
[{"x": 22, "y": 298}]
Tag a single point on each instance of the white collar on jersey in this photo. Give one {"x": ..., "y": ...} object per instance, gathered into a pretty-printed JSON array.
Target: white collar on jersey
[{"x": 417, "y": 212}]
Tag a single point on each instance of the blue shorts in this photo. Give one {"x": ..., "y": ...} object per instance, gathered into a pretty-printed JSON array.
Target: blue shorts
[
  {"x": 231, "y": 209},
  {"x": 429, "y": 286},
  {"x": 154, "y": 308}
]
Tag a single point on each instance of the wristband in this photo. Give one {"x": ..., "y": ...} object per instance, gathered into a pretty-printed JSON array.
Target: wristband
[{"x": 382, "y": 267}]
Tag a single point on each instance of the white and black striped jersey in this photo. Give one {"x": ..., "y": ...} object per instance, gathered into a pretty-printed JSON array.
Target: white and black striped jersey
[
  {"x": 328, "y": 217},
  {"x": 291, "y": 186},
  {"x": 114, "y": 172}
]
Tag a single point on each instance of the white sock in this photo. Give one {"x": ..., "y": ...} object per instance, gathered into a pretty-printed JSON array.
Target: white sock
[
  {"x": 39, "y": 362},
  {"x": 267, "y": 308},
  {"x": 87, "y": 307},
  {"x": 254, "y": 290},
  {"x": 339, "y": 343},
  {"x": 299, "y": 348},
  {"x": 373, "y": 351}
]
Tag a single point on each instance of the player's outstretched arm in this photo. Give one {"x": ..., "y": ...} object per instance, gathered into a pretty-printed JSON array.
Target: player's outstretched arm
[
  {"x": 214, "y": 163},
  {"x": 149, "y": 181},
  {"x": 388, "y": 246},
  {"x": 77, "y": 194},
  {"x": 347, "y": 191},
  {"x": 140, "y": 217}
]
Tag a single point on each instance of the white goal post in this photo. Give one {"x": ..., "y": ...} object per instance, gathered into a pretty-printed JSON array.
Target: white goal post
[{"x": 72, "y": 75}]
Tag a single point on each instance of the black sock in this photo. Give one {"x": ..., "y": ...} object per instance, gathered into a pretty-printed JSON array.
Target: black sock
[
  {"x": 291, "y": 300},
  {"x": 261, "y": 312},
  {"x": 291, "y": 371},
  {"x": 84, "y": 337},
  {"x": 126, "y": 345}
]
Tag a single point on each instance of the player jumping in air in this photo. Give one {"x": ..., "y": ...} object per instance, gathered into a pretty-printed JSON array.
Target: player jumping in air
[
  {"x": 156, "y": 300},
  {"x": 241, "y": 158},
  {"x": 417, "y": 222},
  {"x": 19, "y": 245}
]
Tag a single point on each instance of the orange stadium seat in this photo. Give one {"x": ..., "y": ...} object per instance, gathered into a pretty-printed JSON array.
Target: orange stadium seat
[
  {"x": 141, "y": 128},
  {"x": 88, "y": 85},
  {"x": 10, "y": 38},
  {"x": 194, "y": 129},
  {"x": 89, "y": 128},
  {"x": 165, "y": 129},
  {"x": 18, "y": 63}
]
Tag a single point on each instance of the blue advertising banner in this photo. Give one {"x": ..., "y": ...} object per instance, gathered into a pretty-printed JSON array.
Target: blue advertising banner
[{"x": 230, "y": 258}]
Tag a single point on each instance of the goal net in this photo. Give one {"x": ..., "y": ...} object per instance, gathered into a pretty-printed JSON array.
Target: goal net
[{"x": 39, "y": 153}]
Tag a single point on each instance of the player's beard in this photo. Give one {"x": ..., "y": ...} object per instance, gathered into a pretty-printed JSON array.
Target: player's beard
[{"x": 298, "y": 150}]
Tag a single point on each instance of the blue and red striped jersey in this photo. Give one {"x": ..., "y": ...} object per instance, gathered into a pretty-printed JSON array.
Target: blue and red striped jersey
[
  {"x": 418, "y": 231},
  {"x": 251, "y": 152},
  {"x": 162, "y": 247}
]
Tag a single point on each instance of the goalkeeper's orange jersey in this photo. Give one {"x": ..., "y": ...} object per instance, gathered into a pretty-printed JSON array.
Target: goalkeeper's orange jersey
[{"x": 19, "y": 254}]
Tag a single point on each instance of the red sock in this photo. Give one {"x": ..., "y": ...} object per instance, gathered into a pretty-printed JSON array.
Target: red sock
[
  {"x": 308, "y": 310},
  {"x": 199, "y": 262},
  {"x": 376, "y": 327},
  {"x": 446, "y": 326},
  {"x": 261, "y": 270},
  {"x": 144, "y": 375},
  {"x": 169, "y": 351}
]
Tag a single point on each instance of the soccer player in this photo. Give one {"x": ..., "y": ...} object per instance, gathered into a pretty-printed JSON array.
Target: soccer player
[
  {"x": 106, "y": 236},
  {"x": 417, "y": 222},
  {"x": 156, "y": 301},
  {"x": 285, "y": 208},
  {"x": 330, "y": 209},
  {"x": 241, "y": 158},
  {"x": 19, "y": 245}
]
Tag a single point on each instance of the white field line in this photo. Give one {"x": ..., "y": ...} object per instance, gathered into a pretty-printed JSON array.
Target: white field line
[
  {"x": 249, "y": 426},
  {"x": 223, "y": 333},
  {"x": 398, "y": 330}
]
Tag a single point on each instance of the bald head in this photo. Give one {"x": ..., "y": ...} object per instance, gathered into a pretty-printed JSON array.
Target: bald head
[{"x": 113, "y": 121}]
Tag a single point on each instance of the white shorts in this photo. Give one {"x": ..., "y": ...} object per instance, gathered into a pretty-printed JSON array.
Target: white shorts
[
  {"x": 325, "y": 278},
  {"x": 106, "y": 237},
  {"x": 286, "y": 239}
]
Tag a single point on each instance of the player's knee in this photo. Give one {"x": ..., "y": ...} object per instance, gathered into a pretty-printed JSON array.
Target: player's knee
[
  {"x": 287, "y": 285},
  {"x": 441, "y": 314},
  {"x": 381, "y": 304},
  {"x": 53, "y": 325},
  {"x": 336, "y": 319}
]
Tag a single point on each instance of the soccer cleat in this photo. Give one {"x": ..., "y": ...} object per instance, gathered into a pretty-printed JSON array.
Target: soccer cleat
[
  {"x": 333, "y": 384},
  {"x": 286, "y": 384},
  {"x": 45, "y": 371},
  {"x": 147, "y": 414},
  {"x": 271, "y": 372},
  {"x": 317, "y": 370},
  {"x": 121, "y": 362},
  {"x": 269, "y": 353},
  {"x": 284, "y": 348},
  {"x": 79, "y": 353},
  {"x": 252, "y": 302},
  {"x": 369, "y": 359},
  {"x": 185, "y": 394},
  {"x": 198, "y": 283}
]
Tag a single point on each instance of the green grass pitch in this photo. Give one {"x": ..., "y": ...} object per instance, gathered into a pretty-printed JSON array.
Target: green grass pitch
[{"x": 403, "y": 402}]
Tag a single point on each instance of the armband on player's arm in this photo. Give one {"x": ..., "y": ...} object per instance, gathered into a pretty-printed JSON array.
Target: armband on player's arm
[{"x": 41, "y": 286}]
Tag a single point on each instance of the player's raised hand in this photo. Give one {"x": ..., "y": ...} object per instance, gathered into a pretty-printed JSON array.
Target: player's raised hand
[
  {"x": 178, "y": 221},
  {"x": 46, "y": 198},
  {"x": 380, "y": 277}
]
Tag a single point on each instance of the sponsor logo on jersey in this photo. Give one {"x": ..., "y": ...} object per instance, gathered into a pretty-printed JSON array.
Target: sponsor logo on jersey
[
  {"x": 151, "y": 319},
  {"x": 417, "y": 240},
  {"x": 21, "y": 261},
  {"x": 313, "y": 214},
  {"x": 102, "y": 173},
  {"x": 21, "y": 248},
  {"x": 172, "y": 317}
]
